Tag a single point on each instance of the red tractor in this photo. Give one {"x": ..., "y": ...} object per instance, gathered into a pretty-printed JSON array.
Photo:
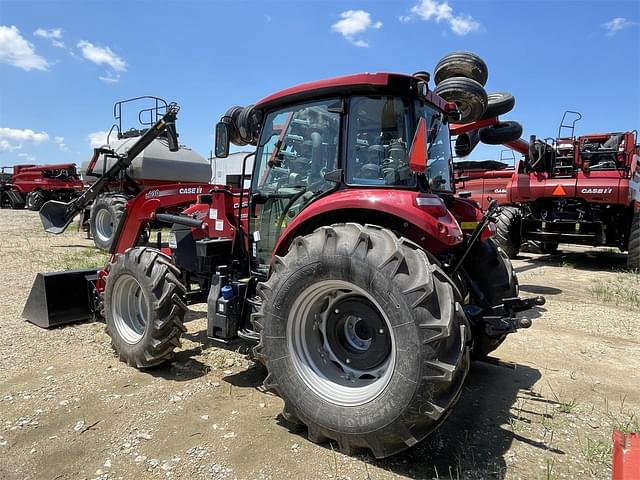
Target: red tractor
[
  {"x": 32, "y": 185},
  {"x": 582, "y": 190},
  {"x": 365, "y": 284}
]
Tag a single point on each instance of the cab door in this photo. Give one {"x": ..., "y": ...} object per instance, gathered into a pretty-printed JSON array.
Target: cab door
[{"x": 298, "y": 146}]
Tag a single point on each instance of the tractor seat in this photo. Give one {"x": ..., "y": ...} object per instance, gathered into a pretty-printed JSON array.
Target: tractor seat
[
  {"x": 612, "y": 143},
  {"x": 370, "y": 171}
]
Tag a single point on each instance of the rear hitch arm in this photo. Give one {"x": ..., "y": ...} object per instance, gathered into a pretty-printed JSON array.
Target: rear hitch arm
[
  {"x": 505, "y": 321},
  {"x": 511, "y": 306}
]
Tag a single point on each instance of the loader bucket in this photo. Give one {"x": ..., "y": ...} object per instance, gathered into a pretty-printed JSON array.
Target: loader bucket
[
  {"x": 57, "y": 298},
  {"x": 56, "y": 216}
]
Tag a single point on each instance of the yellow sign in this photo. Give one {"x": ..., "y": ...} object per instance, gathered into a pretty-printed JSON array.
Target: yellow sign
[{"x": 469, "y": 225}]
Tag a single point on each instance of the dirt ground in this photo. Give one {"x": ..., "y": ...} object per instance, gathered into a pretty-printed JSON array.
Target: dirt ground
[{"x": 70, "y": 410}]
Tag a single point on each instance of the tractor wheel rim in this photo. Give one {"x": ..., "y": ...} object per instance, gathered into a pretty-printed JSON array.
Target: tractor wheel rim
[
  {"x": 104, "y": 225},
  {"x": 341, "y": 343},
  {"x": 129, "y": 309}
]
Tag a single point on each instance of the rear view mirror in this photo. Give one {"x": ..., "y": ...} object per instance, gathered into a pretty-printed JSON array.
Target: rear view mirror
[
  {"x": 222, "y": 140},
  {"x": 452, "y": 112}
]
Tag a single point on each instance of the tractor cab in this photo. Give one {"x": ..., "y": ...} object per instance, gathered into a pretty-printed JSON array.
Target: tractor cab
[
  {"x": 6, "y": 173},
  {"x": 313, "y": 140}
]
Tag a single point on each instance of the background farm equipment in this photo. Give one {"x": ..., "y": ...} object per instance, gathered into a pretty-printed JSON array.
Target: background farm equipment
[
  {"x": 152, "y": 167},
  {"x": 581, "y": 190},
  {"x": 364, "y": 283},
  {"x": 32, "y": 185}
]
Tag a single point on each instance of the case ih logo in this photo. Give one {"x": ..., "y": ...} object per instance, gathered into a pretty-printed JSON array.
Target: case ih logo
[
  {"x": 500, "y": 190},
  {"x": 601, "y": 191},
  {"x": 190, "y": 191}
]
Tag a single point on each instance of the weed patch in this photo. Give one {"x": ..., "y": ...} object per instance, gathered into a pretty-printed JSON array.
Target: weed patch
[
  {"x": 623, "y": 290},
  {"x": 82, "y": 259}
]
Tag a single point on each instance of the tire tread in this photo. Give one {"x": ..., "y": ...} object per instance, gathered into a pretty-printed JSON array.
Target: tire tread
[
  {"x": 168, "y": 309},
  {"x": 439, "y": 386}
]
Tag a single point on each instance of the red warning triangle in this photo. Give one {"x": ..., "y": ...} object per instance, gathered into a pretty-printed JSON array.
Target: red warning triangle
[{"x": 558, "y": 191}]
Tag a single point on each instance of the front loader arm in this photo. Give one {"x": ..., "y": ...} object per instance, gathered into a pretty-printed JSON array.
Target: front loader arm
[{"x": 56, "y": 216}]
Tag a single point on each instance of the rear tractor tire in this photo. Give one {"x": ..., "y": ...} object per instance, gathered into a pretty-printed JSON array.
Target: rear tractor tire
[
  {"x": 633, "y": 256},
  {"x": 143, "y": 307},
  {"x": 16, "y": 200},
  {"x": 508, "y": 231},
  {"x": 35, "y": 200},
  {"x": 106, "y": 213},
  {"x": 362, "y": 338},
  {"x": 491, "y": 270}
]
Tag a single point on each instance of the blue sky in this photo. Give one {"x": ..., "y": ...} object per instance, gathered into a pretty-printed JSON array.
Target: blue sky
[{"x": 64, "y": 63}]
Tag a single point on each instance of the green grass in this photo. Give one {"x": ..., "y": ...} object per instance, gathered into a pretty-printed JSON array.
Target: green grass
[
  {"x": 623, "y": 290},
  {"x": 596, "y": 451},
  {"x": 81, "y": 259},
  {"x": 565, "y": 405},
  {"x": 620, "y": 418}
]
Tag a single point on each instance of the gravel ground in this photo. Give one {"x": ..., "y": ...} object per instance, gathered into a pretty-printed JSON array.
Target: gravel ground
[{"x": 70, "y": 410}]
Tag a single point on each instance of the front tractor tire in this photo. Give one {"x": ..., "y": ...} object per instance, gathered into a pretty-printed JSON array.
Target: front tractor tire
[
  {"x": 143, "y": 307},
  {"x": 508, "y": 231},
  {"x": 633, "y": 256},
  {"x": 362, "y": 338},
  {"x": 35, "y": 200},
  {"x": 106, "y": 213}
]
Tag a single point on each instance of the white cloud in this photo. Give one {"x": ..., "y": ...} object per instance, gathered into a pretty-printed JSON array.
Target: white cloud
[
  {"x": 61, "y": 145},
  {"x": 97, "y": 139},
  {"x": 16, "y": 51},
  {"x": 361, "y": 43},
  {"x": 463, "y": 25},
  {"x": 355, "y": 22},
  {"x": 5, "y": 146},
  {"x": 615, "y": 25},
  {"x": 110, "y": 78},
  {"x": 55, "y": 35},
  {"x": 26, "y": 135},
  {"x": 13, "y": 138},
  {"x": 27, "y": 156},
  {"x": 428, "y": 10},
  {"x": 102, "y": 56}
]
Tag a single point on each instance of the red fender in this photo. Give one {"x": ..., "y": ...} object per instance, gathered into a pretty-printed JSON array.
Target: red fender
[
  {"x": 430, "y": 223},
  {"x": 142, "y": 209}
]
